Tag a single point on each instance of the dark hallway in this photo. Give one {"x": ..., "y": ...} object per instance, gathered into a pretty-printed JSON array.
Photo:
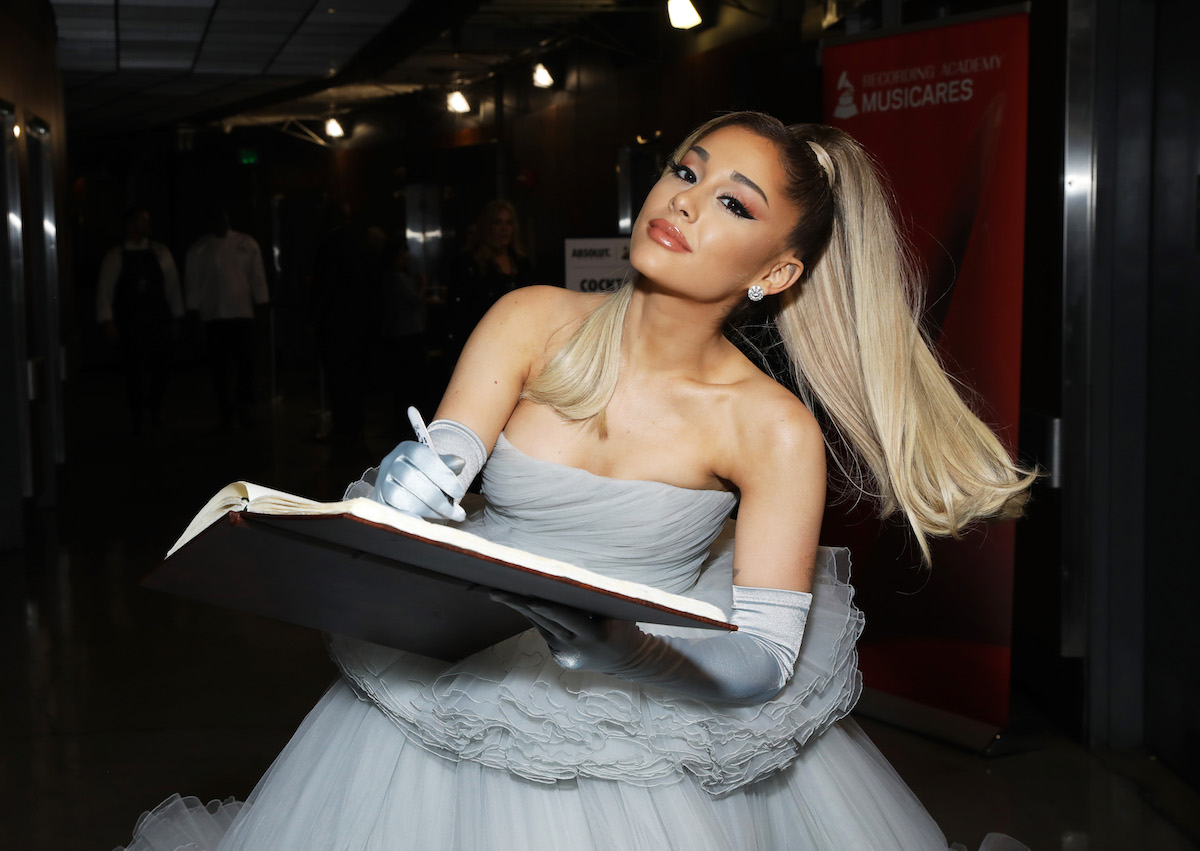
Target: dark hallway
[{"x": 116, "y": 697}]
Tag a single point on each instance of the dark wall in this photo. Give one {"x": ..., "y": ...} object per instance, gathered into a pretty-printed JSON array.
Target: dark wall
[
  {"x": 28, "y": 73},
  {"x": 1041, "y": 673},
  {"x": 29, "y": 79},
  {"x": 1172, "y": 580},
  {"x": 32, "y": 301}
]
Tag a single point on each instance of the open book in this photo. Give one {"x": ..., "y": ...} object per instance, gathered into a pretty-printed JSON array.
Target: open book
[{"x": 362, "y": 569}]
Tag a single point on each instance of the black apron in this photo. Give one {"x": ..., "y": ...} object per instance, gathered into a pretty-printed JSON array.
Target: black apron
[{"x": 140, "y": 307}]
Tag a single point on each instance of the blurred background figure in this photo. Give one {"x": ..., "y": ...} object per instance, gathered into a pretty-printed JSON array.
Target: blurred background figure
[
  {"x": 139, "y": 304},
  {"x": 493, "y": 263},
  {"x": 225, "y": 281}
]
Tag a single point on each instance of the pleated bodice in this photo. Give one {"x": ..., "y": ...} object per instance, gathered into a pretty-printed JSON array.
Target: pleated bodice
[{"x": 648, "y": 532}]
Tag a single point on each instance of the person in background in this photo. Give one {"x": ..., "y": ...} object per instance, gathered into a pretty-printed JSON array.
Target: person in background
[
  {"x": 493, "y": 263},
  {"x": 139, "y": 305},
  {"x": 224, "y": 282}
]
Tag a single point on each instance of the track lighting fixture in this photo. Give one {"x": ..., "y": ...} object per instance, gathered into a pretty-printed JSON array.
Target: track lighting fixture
[
  {"x": 683, "y": 14},
  {"x": 541, "y": 77}
]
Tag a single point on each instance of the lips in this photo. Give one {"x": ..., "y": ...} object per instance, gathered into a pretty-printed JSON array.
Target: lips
[{"x": 667, "y": 235}]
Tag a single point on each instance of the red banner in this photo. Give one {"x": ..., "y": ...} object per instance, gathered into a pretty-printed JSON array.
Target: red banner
[{"x": 943, "y": 110}]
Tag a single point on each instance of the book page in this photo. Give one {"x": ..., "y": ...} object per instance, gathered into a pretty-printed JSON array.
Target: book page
[{"x": 239, "y": 495}]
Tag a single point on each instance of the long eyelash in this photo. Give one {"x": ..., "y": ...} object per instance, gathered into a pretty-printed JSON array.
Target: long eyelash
[
  {"x": 674, "y": 166},
  {"x": 737, "y": 208}
]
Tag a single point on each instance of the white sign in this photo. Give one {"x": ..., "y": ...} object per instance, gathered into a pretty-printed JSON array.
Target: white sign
[{"x": 596, "y": 265}]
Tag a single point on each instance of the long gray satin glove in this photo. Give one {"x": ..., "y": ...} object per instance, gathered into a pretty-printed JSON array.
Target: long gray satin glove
[
  {"x": 749, "y": 666},
  {"x": 416, "y": 480}
]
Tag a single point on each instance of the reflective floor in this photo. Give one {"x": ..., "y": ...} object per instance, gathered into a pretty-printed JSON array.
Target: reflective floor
[{"x": 113, "y": 697}]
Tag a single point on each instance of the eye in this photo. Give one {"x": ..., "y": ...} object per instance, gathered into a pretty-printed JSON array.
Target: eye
[
  {"x": 682, "y": 172},
  {"x": 735, "y": 206}
]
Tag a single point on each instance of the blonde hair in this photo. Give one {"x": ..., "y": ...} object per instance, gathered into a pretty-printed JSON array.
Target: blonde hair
[
  {"x": 580, "y": 379},
  {"x": 476, "y": 239},
  {"x": 895, "y": 424}
]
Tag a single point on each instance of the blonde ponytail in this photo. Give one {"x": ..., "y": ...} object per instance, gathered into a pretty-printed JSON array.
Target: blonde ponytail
[{"x": 859, "y": 355}]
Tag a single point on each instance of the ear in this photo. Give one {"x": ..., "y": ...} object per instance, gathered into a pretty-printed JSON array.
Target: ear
[{"x": 786, "y": 271}]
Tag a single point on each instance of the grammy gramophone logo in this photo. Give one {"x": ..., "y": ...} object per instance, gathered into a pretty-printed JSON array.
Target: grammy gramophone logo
[{"x": 845, "y": 106}]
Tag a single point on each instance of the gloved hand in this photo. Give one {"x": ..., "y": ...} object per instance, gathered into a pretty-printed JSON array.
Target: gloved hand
[
  {"x": 750, "y": 665},
  {"x": 416, "y": 480}
]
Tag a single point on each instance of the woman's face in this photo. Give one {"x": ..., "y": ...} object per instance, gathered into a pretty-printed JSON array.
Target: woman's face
[
  {"x": 501, "y": 230},
  {"x": 717, "y": 221}
]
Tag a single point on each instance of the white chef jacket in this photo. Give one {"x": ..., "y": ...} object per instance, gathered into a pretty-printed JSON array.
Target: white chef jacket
[{"x": 224, "y": 276}]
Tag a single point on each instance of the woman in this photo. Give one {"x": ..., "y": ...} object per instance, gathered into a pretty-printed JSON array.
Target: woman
[
  {"x": 622, "y": 430},
  {"x": 494, "y": 263}
]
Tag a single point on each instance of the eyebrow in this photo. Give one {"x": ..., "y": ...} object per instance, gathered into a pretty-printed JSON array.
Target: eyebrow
[{"x": 737, "y": 176}]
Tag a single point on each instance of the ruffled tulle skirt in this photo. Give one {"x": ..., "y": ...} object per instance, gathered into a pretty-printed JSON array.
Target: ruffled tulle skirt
[
  {"x": 513, "y": 708},
  {"x": 349, "y": 781}
]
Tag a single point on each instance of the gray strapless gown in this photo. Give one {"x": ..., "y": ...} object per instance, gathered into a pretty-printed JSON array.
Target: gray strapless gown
[{"x": 505, "y": 750}]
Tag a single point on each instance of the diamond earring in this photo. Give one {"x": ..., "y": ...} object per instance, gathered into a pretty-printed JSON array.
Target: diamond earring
[{"x": 756, "y": 293}]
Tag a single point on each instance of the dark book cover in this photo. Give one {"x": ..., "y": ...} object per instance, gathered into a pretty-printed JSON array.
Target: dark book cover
[{"x": 349, "y": 575}]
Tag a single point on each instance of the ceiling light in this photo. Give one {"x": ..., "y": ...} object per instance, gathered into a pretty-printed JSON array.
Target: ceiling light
[
  {"x": 683, "y": 14},
  {"x": 333, "y": 129},
  {"x": 17, "y": 130},
  {"x": 541, "y": 77},
  {"x": 455, "y": 102}
]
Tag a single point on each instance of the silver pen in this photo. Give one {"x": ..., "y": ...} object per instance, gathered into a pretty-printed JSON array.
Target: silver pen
[{"x": 418, "y": 425}]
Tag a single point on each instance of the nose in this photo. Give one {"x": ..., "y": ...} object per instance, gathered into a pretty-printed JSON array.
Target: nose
[{"x": 683, "y": 204}]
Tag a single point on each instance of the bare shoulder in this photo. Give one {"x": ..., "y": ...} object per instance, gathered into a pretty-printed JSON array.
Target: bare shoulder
[
  {"x": 508, "y": 345},
  {"x": 766, "y": 410},
  {"x": 545, "y": 304},
  {"x": 540, "y": 317},
  {"x": 518, "y": 330},
  {"x": 774, "y": 433}
]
